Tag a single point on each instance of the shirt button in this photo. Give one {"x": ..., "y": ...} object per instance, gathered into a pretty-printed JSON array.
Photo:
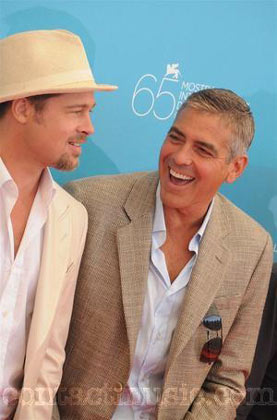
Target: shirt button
[
  {"x": 118, "y": 387},
  {"x": 159, "y": 336},
  {"x": 145, "y": 378}
]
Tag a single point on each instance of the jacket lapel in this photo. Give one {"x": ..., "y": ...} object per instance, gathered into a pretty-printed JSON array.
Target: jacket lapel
[
  {"x": 134, "y": 245},
  {"x": 54, "y": 264},
  {"x": 205, "y": 281}
]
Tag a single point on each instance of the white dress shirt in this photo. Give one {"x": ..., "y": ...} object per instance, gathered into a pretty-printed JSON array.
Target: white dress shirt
[
  {"x": 18, "y": 282},
  {"x": 162, "y": 306}
]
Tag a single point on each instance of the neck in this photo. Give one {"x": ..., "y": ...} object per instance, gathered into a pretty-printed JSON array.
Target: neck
[
  {"x": 184, "y": 221},
  {"x": 24, "y": 168},
  {"x": 25, "y": 174}
]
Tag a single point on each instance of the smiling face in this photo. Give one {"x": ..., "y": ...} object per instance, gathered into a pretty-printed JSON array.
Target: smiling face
[
  {"x": 54, "y": 135},
  {"x": 194, "y": 161}
]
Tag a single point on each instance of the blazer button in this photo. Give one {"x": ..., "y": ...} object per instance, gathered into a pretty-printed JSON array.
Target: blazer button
[{"x": 118, "y": 387}]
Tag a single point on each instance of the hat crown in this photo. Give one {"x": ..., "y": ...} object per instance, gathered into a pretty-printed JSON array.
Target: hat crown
[{"x": 44, "y": 61}]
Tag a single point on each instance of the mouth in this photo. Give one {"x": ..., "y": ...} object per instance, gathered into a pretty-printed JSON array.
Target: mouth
[
  {"x": 72, "y": 143},
  {"x": 180, "y": 179},
  {"x": 75, "y": 147}
]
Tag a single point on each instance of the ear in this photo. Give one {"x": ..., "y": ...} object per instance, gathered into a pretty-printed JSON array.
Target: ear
[
  {"x": 22, "y": 109},
  {"x": 236, "y": 168}
]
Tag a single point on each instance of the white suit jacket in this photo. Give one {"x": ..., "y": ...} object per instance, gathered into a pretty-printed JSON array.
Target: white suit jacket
[{"x": 64, "y": 240}]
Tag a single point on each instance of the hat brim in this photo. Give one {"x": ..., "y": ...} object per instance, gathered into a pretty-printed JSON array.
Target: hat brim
[{"x": 75, "y": 87}]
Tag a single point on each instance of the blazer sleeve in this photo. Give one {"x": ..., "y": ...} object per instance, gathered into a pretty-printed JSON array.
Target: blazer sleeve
[
  {"x": 224, "y": 387},
  {"x": 51, "y": 370}
]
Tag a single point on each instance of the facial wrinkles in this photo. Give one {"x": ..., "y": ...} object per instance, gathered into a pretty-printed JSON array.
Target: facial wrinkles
[
  {"x": 185, "y": 168},
  {"x": 184, "y": 165}
]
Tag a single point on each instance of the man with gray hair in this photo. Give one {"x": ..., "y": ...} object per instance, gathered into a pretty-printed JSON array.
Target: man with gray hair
[
  {"x": 46, "y": 95},
  {"x": 173, "y": 279}
]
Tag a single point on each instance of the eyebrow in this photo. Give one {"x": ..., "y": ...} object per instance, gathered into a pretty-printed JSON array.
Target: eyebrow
[
  {"x": 82, "y": 106},
  {"x": 174, "y": 129},
  {"x": 205, "y": 144}
]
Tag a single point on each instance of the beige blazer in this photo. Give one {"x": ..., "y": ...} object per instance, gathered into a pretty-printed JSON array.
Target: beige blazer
[
  {"x": 232, "y": 271},
  {"x": 64, "y": 239}
]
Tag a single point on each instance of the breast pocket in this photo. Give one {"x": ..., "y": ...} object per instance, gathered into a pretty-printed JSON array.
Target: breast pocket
[{"x": 227, "y": 307}]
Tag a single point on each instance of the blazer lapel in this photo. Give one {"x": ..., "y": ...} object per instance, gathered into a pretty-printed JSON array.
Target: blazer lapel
[
  {"x": 134, "y": 245},
  {"x": 205, "y": 281},
  {"x": 53, "y": 267}
]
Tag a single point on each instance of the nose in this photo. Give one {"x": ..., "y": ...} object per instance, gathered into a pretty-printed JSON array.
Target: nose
[
  {"x": 86, "y": 127},
  {"x": 183, "y": 155}
]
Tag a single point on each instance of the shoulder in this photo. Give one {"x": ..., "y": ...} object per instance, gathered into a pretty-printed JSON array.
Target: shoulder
[
  {"x": 240, "y": 224},
  {"x": 111, "y": 190},
  {"x": 244, "y": 246},
  {"x": 63, "y": 200}
]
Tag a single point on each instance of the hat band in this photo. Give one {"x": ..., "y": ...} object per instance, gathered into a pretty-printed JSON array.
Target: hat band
[{"x": 51, "y": 81}]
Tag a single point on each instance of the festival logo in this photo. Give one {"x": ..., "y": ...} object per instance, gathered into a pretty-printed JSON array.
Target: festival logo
[{"x": 162, "y": 97}]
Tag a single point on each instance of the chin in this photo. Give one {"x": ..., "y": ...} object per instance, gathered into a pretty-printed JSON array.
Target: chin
[{"x": 66, "y": 164}]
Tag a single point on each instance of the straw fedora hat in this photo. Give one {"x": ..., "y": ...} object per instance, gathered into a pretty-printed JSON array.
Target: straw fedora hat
[{"x": 44, "y": 61}]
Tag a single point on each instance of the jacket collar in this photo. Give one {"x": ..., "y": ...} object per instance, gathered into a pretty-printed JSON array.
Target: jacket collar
[
  {"x": 206, "y": 278},
  {"x": 134, "y": 245},
  {"x": 54, "y": 262}
]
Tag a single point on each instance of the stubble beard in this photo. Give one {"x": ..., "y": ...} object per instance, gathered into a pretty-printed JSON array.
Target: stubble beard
[
  {"x": 69, "y": 162},
  {"x": 65, "y": 163}
]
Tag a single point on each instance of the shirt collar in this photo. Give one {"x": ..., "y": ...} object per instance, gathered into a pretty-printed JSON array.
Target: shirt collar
[
  {"x": 4, "y": 174},
  {"x": 159, "y": 222},
  {"x": 47, "y": 187},
  {"x": 159, "y": 227}
]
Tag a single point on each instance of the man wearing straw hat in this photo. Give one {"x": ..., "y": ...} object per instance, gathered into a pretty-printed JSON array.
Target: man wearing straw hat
[{"x": 46, "y": 95}]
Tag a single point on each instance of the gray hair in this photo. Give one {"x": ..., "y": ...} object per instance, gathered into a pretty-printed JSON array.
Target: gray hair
[{"x": 232, "y": 108}]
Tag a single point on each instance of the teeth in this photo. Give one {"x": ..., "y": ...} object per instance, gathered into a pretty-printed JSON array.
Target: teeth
[
  {"x": 75, "y": 144},
  {"x": 180, "y": 176}
]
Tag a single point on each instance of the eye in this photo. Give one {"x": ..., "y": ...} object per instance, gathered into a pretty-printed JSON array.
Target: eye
[
  {"x": 76, "y": 111},
  {"x": 173, "y": 138},
  {"x": 203, "y": 151}
]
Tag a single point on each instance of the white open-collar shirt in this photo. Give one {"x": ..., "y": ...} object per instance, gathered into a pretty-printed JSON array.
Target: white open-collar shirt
[
  {"x": 18, "y": 281},
  {"x": 162, "y": 306}
]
